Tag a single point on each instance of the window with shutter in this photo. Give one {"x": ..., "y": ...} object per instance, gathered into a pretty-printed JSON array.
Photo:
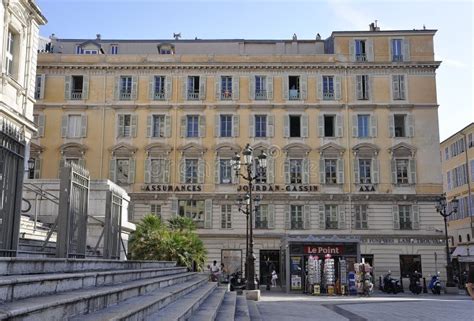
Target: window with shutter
[
  {"x": 361, "y": 219},
  {"x": 226, "y": 216},
  {"x": 199, "y": 211},
  {"x": 125, "y": 89},
  {"x": 331, "y": 217},
  {"x": 405, "y": 217},
  {"x": 261, "y": 216},
  {"x": 296, "y": 217}
]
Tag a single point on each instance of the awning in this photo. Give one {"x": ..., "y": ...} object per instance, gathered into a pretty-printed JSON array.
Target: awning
[{"x": 463, "y": 250}]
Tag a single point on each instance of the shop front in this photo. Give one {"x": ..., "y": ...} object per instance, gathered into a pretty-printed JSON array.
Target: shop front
[{"x": 323, "y": 260}]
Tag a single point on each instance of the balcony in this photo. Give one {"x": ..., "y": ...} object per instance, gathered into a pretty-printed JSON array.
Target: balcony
[
  {"x": 125, "y": 95},
  {"x": 294, "y": 94},
  {"x": 261, "y": 95},
  {"x": 226, "y": 95},
  {"x": 76, "y": 95},
  {"x": 193, "y": 95},
  {"x": 328, "y": 95},
  {"x": 397, "y": 58},
  {"x": 159, "y": 95},
  {"x": 361, "y": 57}
]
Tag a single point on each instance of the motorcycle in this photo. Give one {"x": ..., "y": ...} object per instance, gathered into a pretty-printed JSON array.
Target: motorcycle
[
  {"x": 435, "y": 284},
  {"x": 391, "y": 285},
  {"x": 237, "y": 282},
  {"x": 415, "y": 284}
]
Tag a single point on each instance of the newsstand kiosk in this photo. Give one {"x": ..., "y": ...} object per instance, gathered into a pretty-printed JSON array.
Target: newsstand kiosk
[{"x": 317, "y": 264}]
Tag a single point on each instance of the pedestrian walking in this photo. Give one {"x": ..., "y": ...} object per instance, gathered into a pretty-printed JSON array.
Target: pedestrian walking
[{"x": 274, "y": 278}]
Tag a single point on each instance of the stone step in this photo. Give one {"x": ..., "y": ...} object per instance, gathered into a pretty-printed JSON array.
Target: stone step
[
  {"x": 183, "y": 308},
  {"x": 226, "y": 311},
  {"x": 65, "y": 305},
  {"x": 254, "y": 314},
  {"x": 17, "y": 287},
  {"x": 24, "y": 265},
  {"x": 139, "y": 308},
  {"x": 208, "y": 310},
  {"x": 241, "y": 309}
]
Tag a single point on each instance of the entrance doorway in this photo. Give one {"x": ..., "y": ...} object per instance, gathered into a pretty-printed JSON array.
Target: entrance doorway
[{"x": 269, "y": 260}]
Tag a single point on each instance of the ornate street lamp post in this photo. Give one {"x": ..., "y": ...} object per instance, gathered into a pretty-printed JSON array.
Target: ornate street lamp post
[
  {"x": 249, "y": 176},
  {"x": 441, "y": 208}
]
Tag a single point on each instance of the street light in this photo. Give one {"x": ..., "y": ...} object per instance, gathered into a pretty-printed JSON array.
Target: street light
[
  {"x": 441, "y": 208},
  {"x": 250, "y": 177}
]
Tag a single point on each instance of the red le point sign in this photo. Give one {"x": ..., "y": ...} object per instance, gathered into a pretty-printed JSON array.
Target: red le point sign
[{"x": 324, "y": 249}]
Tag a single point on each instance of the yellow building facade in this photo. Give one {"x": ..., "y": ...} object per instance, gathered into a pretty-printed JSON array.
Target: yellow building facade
[{"x": 349, "y": 123}]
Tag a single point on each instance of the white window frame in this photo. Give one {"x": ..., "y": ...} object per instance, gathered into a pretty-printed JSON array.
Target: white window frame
[
  {"x": 126, "y": 85},
  {"x": 226, "y": 216},
  {"x": 155, "y": 209},
  {"x": 192, "y": 210},
  {"x": 158, "y": 176},
  {"x": 114, "y": 49},
  {"x": 296, "y": 170},
  {"x": 361, "y": 216},
  {"x": 262, "y": 212},
  {"x": 126, "y": 174},
  {"x": 296, "y": 217},
  {"x": 329, "y": 174},
  {"x": 191, "y": 168},
  {"x": 161, "y": 130},
  {"x": 405, "y": 211},
  {"x": 331, "y": 216},
  {"x": 74, "y": 129},
  {"x": 402, "y": 180}
]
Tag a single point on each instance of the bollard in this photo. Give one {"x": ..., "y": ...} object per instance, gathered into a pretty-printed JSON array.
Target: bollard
[{"x": 425, "y": 289}]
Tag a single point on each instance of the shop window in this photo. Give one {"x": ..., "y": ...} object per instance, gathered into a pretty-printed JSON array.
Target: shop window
[
  {"x": 226, "y": 216},
  {"x": 261, "y": 216},
  {"x": 329, "y": 126},
  {"x": 296, "y": 212},
  {"x": 295, "y": 126},
  {"x": 331, "y": 216},
  {"x": 410, "y": 264},
  {"x": 194, "y": 210},
  {"x": 294, "y": 87}
]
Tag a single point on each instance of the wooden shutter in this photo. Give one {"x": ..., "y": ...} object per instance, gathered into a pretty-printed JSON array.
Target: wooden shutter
[
  {"x": 322, "y": 217},
  {"x": 339, "y": 126},
  {"x": 183, "y": 126},
  {"x": 406, "y": 49},
  {"x": 201, "y": 170},
  {"x": 41, "y": 125},
  {"x": 270, "y": 125},
  {"x": 395, "y": 87},
  {"x": 375, "y": 171},
  {"x": 269, "y": 84},
  {"x": 134, "y": 87},
  {"x": 321, "y": 125},
  {"x": 373, "y": 126},
  {"x": 396, "y": 217},
  {"x": 112, "y": 170},
  {"x": 304, "y": 87},
  {"x": 184, "y": 88},
  {"x": 202, "y": 126},
  {"x": 410, "y": 126},
  {"x": 287, "y": 217},
  {"x": 83, "y": 126},
  {"x": 355, "y": 126},
  {"x": 208, "y": 213},
  {"x": 286, "y": 126},
  {"x": 64, "y": 123},
  {"x": 341, "y": 222},
  {"x": 168, "y": 87},
  {"x": 307, "y": 217},
  {"x": 412, "y": 170},
  {"x": 37, "y": 173},
  {"x": 340, "y": 171},
  {"x": 235, "y": 87},
  {"x": 217, "y": 87},
  {"x": 235, "y": 125},
  {"x": 359, "y": 87},
  {"x": 131, "y": 171},
  {"x": 391, "y": 125},
  {"x": 416, "y": 217},
  {"x": 182, "y": 171},
  {"x": 322, "y": 171},
  {"x": 117, "y": 88},
  {"x": 251, "y": 125},
  {"x": 166, "y": 172},
  {"x": 393, "y": 165},
  {"x": 252, "y": 87},
  {"x": 319, "y": 87},
  {"x": 149, "y": 126},
  {"x": 85, "y": 87},
  {"x": 306, "y": 173},
  {"x": 352, "y": 50},
  {"x": 134, "y": 125},
  {"x": 356, "y": 171},
  {"x": 284, "y": 88},
  {"x": 369, "y": 49},
  {"x": 167, "y": 126},
  {"x": 271, "y": 216},
  {"x": 217, "y": 125},
  {"x": 402, "y": 87},
  {"x": 270, "y": 169},
  {"x": 304, "y": 126},
  {"x": 147, "y": 170},
  {"x": 287, "y": 171},
  {"x": 337, "y": 88},
  {"x": 217, "y": 170},
  {"x": 174, "y": 208},
  {"x": 120, "y": 125},
  {"x": 202, "y": 87},
  {"x": 67, "y": 87},
  {"x": 151, "y": 88},
  {"x": 43, "y": 86}
]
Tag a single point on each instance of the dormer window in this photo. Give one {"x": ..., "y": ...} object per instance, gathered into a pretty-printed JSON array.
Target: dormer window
[
  {"x": 90, "y": 52},
  {"x": 114, "y": 49},
  {"x": 166, "y": 49}
]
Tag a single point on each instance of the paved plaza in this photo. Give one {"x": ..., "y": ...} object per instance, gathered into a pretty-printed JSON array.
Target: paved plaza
[{"x": 275, "y": 306}]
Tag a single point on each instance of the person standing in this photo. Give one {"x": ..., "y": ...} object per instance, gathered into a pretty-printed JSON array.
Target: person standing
[
  {"x": 470, "y": 283},
  {"x": 274, "y": 278},
  {"x": 214, "y": 272}
]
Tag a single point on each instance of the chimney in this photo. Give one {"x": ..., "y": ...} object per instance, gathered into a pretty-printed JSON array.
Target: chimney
[
  {"x": 97, "y": 36},
  {"x": 372, "y": 27}
]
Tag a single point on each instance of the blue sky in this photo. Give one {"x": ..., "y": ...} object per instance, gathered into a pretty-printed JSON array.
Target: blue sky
[{"x": 141, "y": 19}]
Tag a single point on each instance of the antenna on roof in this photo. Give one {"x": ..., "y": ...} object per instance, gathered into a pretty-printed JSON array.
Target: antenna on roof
[{"x": 176, "y": 36}]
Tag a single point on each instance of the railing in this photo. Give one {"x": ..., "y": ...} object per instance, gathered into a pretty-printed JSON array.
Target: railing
[
  {"x": 76, "y": 95},
  {"x": 328, "y": 95},
  {"x": 226, "y": 95},
  {"x": 331, "y": 225},
  {"x": 294, "y": 94},
  {"x": 361, "y": 57},
  {"x": 159, "y": 95},
  {"x": 261, "y": 95},
  {"x": 193, "y": 95},
  {"x": 397, "y": 58},
  {"x": 125, "y": 96}
]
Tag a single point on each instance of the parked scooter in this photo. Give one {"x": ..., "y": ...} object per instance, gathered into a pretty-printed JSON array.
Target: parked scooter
[
  {"x": 435, "y": 284},
  {"x": 237, "y": 282},
  {"x": 390, "y": 284},
  {"x": 415, "y": 284}
]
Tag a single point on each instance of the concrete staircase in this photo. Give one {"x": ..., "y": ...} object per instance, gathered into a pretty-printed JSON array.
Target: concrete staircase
[{"x": 85, "y": 289}]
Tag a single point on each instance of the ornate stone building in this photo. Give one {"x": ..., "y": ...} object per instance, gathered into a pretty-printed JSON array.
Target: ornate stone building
[{"x": 350, "y": 124}]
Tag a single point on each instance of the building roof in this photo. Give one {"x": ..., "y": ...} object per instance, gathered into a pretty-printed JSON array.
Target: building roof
[{"x": 456, "y": 133}]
